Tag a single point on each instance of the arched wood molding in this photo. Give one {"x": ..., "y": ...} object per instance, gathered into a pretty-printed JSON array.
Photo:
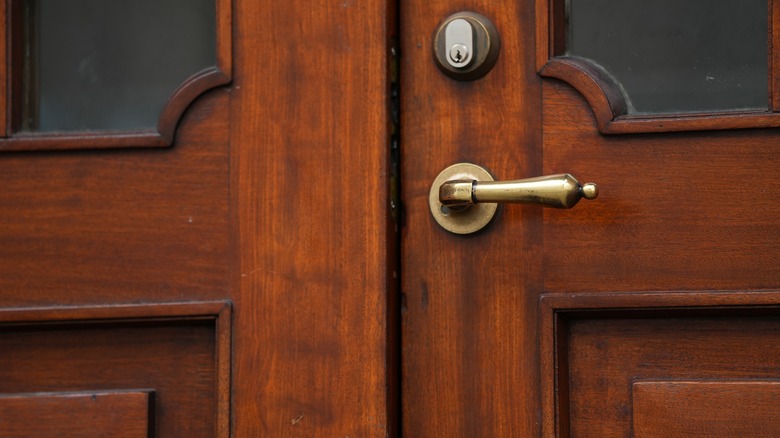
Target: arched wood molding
[
  {"x": 596, "y": 86},
  {"x": 610, "y": 108},
  {"x": 170, "y": 116},
  {"x": 184, "y": 96}
]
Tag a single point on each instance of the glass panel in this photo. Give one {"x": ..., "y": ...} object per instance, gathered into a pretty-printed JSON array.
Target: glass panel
[
  {"x": 110, "y": 64},
  {"x": 677, "y": 56}
]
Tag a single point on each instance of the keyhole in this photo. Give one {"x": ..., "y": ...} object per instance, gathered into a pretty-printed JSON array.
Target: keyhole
[
  {"x": 466, "y": 46},
  {"x": 458, "y": 53}
]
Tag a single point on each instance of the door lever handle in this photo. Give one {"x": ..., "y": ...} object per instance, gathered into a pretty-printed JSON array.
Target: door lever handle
[
  {"x": 464, "y": 197},
  {"x": 557, "y": 191}
]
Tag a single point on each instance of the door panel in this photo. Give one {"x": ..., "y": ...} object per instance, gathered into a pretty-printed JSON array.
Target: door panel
[
  {"x": 90, "y": 227},
  {"x": 675, "y": 210},
  {"x": 99, "y": 232},
  {"x": 310, "y": 144},
  {"x": 666, "y": 277},
  {"x": 716, "y": 409},
  {"x": 623, "y": 371},
  {"x": 176, "y": 355},
  {"x": 677, "y": 362},
  {"x": 69, "y": 414},
  {"x": 261, "y": 212}
]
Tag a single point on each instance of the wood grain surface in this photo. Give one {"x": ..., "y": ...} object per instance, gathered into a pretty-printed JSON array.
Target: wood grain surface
[
  {"x": 687, "y": 211},
  {"x": 127, "y": 226},
  {"x": 121, "y": 414},
  {"x": 691, "y": 214},
  {"x": 176, "y": 359},
  {"x": 605, "y": 356},
  {"x": 310, "y": 149},
  {"x": 470, "y": 315},
  {"x": 674, "y": 409},
  {"x": 274, "y": 195}
]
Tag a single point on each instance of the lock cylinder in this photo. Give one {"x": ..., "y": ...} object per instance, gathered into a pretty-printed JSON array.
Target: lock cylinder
[
  {"x": 466, "y": 46},
  {"x": 459, "y": 42}
]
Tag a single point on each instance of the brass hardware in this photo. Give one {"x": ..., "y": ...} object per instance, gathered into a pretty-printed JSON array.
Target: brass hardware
[
  {"x": 466, "y": 46},
  {"x": 459, "y": 189},
  {"x": 461, "y": 219},
  {"x": 557, "y": 191}
]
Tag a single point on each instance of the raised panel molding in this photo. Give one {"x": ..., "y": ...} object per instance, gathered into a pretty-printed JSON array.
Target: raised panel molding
[
  {"x": 728, "y": 408},
  {"x": 118, "y": 414},
  {"x": 596, "y": 347},
  {"x": 181, "y": 351}
]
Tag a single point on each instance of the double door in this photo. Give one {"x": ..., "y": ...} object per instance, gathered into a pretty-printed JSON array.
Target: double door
[{"x": 264, "y": 258}]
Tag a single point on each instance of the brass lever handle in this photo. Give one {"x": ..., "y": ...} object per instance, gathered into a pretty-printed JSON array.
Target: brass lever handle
[
  {"x": 557, "y": 191},
  {"x": 464, "y": 197}
]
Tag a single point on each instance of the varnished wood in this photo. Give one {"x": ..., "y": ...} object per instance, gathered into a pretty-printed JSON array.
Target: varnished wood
[
  {"x": 730, "y": 408},
  {"x": 176, "y": 350},
  {"x": 665, "y": 275},
  {"x": 224, "y": 46},
  {"x": 596, "y": 86},
  {"x": 218, "y": 216},
  {"x": 162, "y": 136},
  {"x": 675, "y": 211},
  {"x": 557, "y": 310},
  {"x": 209, "y": 310},
  {"x": 606, "y": 355},
  {"x": 144, "y": 138},
  {"x": 470, "y": 308},
  {"x": 550, "y": 26},
  {"x": 774, "y": 55},
  {"x": 88, "y": 235},
  {"x": 126, "y": 414},
  {"x": 17, "y": 69},
  {"x": 121, "y": 226},
  {"x": 606, "y": 99},
  {"x": 183, "y": 96},
  {"x": 636, "y": 300},
  {"x": 5, "y": 80},
  {"x": 610, "y": 110},
  {"x": 217, "y": 312},
  {"x": 310, "y": 145}
]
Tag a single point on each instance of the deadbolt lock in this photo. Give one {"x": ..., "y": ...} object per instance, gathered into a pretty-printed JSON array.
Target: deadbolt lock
[{"x": 466, "y": 46}]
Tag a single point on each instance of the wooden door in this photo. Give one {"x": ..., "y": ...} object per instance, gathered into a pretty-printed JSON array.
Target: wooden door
[
  {"x": 223, "y": 270},
  {"x": 649, "y": 311}
]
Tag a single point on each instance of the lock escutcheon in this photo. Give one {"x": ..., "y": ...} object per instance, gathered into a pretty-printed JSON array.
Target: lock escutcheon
[{"x": 466, "y": 46}]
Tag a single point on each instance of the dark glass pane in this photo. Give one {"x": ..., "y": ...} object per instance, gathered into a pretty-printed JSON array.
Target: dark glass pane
[
  {"x": 111, "y": 64},
  {"x": 677, "y": 56}
]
